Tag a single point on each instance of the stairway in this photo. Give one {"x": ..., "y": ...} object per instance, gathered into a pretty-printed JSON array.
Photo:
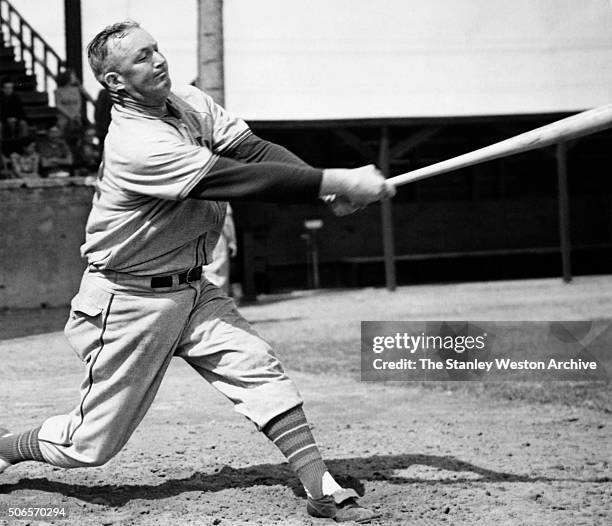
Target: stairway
[
  {"x": 35, "y": 103},
  {"x": 33, "y": 66}
]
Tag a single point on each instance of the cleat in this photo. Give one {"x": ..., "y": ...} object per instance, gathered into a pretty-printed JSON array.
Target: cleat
[
  {"x": 3, "y": 463},
  {"x": 342, "y": 506}
]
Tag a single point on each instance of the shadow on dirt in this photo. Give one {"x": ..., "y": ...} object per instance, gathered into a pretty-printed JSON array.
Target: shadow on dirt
[{"x": 378, "y": 467}]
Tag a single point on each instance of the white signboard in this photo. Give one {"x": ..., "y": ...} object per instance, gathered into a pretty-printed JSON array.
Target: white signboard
[
  {"x": 335, "y": 59},
  {"x": 343, "y": 59}
]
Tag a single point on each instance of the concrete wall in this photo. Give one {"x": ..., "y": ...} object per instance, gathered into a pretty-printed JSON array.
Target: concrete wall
[{"x": 41, "y": 229}]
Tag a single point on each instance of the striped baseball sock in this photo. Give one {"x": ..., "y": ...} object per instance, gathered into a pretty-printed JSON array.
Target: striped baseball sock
[
  {"x": 17, "y": 448},
  {"x": 291, "y": 433}
]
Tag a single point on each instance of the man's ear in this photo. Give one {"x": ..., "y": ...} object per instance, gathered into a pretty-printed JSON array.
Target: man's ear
[{"x": 114, "y": 81}]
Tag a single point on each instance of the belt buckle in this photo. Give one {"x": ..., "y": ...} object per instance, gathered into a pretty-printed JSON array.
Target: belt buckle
[{"x": 193, "y": 274}]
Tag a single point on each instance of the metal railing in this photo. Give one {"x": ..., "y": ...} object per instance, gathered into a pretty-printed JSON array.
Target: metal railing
[{"x": 39, "y": 58}]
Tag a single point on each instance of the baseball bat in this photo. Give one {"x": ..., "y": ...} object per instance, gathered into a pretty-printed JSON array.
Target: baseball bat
[{"x": 578, "y": 125}]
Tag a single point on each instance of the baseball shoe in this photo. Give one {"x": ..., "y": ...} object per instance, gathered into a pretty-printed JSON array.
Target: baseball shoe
[
  {"x": 342, "y": 506},
  {"x": 3, "y": 463}
]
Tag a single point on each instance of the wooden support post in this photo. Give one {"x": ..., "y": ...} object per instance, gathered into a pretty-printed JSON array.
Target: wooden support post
[
  {"x": 73, "y": 34},
  {"x": 387, "y": 213},
  {"x": 564, "y": 212},
  {"x": 211, "y": 76},
  {"x": 316, "y": 281}
]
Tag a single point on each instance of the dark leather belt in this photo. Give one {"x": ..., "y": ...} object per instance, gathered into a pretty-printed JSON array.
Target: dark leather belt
[{"x": 193, "y": 274}]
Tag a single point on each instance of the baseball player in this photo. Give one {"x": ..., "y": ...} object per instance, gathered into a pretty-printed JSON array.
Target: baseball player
[{"x": 171, "y": 161}]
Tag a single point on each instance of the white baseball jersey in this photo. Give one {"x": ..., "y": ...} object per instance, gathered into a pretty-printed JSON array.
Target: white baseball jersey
[{"x": 141, "y": 222}]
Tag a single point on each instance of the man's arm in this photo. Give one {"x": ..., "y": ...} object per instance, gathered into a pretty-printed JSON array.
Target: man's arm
[
  {"x": 36, "y": 163},
  {"x": 259, "y": 170},
  {"x": 16, "y": 164},
  {"x": 66, "y": 159},
  {"x": 230, "y": 180},
  {"x": 254, "y": 149},
  {"x": 168, "y": 168},
  {"x": 279, "y": 182}
]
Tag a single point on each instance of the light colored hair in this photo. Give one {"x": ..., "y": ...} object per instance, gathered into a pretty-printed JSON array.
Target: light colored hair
[{"x": 97, "y": 49}]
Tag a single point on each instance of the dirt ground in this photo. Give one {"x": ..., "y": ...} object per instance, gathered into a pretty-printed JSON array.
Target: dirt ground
[{"x": 420, "y": 454}]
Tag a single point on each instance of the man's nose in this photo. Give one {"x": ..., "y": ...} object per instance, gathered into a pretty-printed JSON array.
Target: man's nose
[{"x": 159, "y": 59}]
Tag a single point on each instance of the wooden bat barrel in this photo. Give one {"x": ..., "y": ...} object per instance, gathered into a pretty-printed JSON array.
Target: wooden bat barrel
[{"x": 578, "y": 125}]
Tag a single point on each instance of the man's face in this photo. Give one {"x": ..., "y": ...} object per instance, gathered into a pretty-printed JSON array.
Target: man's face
[
  {"x": 8, "y": 88},
  {"x": 54, "y": 133},
  {"x": 139, "y": 68}
]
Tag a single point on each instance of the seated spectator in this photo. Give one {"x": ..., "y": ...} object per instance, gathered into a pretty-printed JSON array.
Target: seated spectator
[
  {"x": 55, "y": 156},
  {"x": 88, "y": 152},
  {"x": 69, "y": 97},
  {"x": 13, "y": 124},
  {"x": 69, "y": 104},
  {"x": 26, "y": 162},
  {"x": 5, "y": 167}
]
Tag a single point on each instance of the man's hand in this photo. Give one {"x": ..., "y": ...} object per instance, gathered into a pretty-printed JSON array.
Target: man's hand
[
  {"x": 358, "y": 186},
  {"x": 339, "y": 205}
]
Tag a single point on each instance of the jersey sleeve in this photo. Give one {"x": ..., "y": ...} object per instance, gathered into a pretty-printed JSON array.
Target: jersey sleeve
[
  {"x": 228, "y": 131},
  {"x": 166, "y": 168}
]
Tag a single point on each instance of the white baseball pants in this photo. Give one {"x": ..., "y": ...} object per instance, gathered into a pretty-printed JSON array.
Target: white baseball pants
[{"x": 126, "y": 333}]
